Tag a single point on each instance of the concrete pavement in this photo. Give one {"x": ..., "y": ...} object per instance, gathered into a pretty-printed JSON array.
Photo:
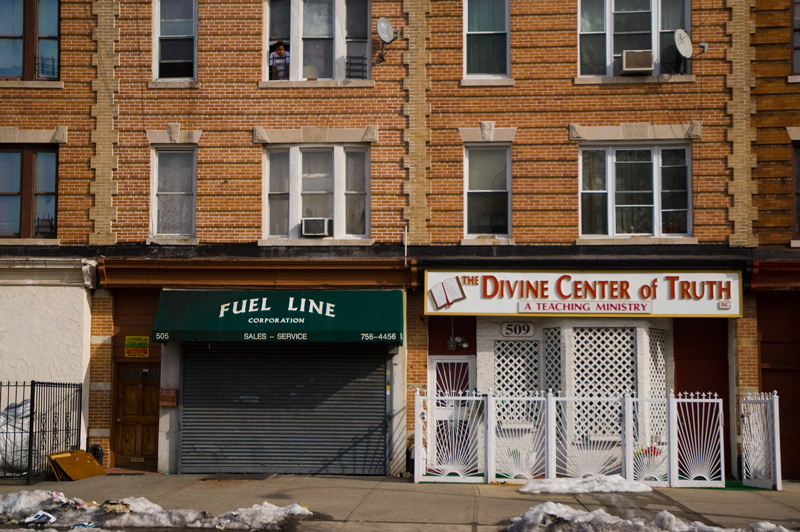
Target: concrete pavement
[{"x": 360, "y": 504}]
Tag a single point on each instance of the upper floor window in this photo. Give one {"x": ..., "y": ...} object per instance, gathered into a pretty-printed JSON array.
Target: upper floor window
[
  {"x": 29, "y": 39},
  {"x": 176, "y": 28},
  {"x": 317, "y": 192},
  {"x": 611, "y": 29},
  {"x": 318, "y": 39},
  {"x": 487, "y": 200},
  {"x": 174, "y": 192},
  {"x": 28, "y": 184},
  {"x": 635, "y": 191},
  {"x": 796, "y": 38},
  {"x": 486, "y": 38}
]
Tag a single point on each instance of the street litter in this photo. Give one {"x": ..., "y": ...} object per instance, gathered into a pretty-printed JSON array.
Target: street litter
[
  {"x": 133, "y": 512},
  {"x": 115, "y": 507},
  {"x": 40, "y": 518}
]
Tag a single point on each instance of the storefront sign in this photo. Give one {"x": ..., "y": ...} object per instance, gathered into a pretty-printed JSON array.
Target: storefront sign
[
  {"x": 137, "y": 346},
  {"x": 280, "y": 316},
  {"x": 510, "y": 293}
]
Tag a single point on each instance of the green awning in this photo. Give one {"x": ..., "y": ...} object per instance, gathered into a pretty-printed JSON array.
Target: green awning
[{"x": 279, "y": 316}]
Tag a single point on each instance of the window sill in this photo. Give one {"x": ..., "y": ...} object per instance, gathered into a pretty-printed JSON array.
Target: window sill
[
  {"x": 487, "y": 240},
  {"x": 19, "y": 84},
  {"x": 487, "y": 82},
  {"x": 167, "y": 84},
  {"x": 636, "y": 241},
  {"x": 317, "y": 84},
  {"x": 608, "y": 80},
  {"x": 173, "y": 240},
  {"x": 30, "y": 242},
  {"x": 316, "y": 242},
  {"x": 793, "y": 79}
]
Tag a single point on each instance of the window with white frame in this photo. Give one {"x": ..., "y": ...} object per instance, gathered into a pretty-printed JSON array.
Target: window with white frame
[
  {"x": 608, "y": 28},
  {"x": 486, "y": 38},
  {"x": 628, "y": 191},
  {"x": 487, "y": 201},
  {"x": 174, "y": 192},
  {"x": 176, "y": 28},
  {"x": 320, "y": 39},
  {"x": 325, "y": 183}
]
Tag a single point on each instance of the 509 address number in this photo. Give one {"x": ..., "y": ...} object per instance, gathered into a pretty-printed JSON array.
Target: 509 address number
[{"x": 382, "y": 336}]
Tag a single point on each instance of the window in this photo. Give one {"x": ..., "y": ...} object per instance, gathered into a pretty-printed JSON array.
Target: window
[
  {"x": 796, "y": 38},
  {"x": 635, "y": 191},
  {"x": 177, "y": 43},
  {"x": 607, "y": 28},
  {"x": 486, "y": 38},
  {"x": 174, "y": 204},
  {"x": 29, "y": 39},
  {"x": 326, "y": 39},
  {"x": 28, "y": 179},
  {"x": 487, "y": 190},
  {"x": 328, "y": 183}
]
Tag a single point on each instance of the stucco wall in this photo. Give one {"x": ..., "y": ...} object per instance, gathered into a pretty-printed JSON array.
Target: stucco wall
[{"x": 45, "y": 333}]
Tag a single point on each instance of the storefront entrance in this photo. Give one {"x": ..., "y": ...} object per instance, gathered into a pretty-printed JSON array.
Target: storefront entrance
[{"x": 286, "y": 408}]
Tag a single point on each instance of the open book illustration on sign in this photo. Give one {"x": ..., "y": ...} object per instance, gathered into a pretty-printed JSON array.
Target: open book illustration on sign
[{"x": 447, "y": 292}]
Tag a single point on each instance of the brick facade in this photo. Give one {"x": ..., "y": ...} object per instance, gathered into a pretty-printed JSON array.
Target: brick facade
[{"x": 418, "y": 111}]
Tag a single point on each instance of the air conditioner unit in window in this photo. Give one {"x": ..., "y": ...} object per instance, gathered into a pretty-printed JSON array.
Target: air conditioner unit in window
[
  {"x": 315, "y": 227},
  {"x": 637, "y": 62}
]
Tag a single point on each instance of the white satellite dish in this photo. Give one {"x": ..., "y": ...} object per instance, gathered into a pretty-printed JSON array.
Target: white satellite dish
[
  {"x": 385, "y": 30},
  {"x": 683, "y": 43}
]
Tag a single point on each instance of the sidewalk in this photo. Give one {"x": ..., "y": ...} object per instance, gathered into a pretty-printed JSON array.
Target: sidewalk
[{"x": 356, "y": 504}]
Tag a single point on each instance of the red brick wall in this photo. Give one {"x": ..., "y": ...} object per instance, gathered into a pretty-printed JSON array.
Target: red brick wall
[
  {"x": 100, "y": 368},
  {"x": 545, "y": 100},
  {"x": 226, "y": 106},
  {"x": 47, "y": 108}
]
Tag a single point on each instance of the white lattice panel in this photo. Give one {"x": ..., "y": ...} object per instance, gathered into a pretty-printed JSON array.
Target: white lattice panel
[
  {"x": 658, "y": 383},
  {"x": 516, "y": 372},
  {"x": 552, "y": 360},
  {"x": 604, "y": 365}
]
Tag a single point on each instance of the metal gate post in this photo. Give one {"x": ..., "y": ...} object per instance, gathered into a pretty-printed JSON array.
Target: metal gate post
[
  {"x": 30, "y": 430},
  {"x": 627, "y": 436},
  {"x": 419, "y": 456},
  {"x": 490, "y": 466},
  {"x": 672, "y": 439},
  {"x": 550, "y": 436},
  {"x": 775, "y": 425}
]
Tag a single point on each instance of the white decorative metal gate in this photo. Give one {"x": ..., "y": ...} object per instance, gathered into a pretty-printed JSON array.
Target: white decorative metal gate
[
  {"x": 675, "y": 441},
  {"x": 761, "y": 446}
]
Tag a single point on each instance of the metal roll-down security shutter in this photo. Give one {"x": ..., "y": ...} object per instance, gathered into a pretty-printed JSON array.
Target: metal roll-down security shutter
[{"x": 288, "y": 408}]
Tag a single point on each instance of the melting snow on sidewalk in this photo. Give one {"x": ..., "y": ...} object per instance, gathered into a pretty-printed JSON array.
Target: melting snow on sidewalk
[
  {"x": 587, "y": 484},
  {"x": 552, "y": 517},
  {"x": 137, "y": 512}
]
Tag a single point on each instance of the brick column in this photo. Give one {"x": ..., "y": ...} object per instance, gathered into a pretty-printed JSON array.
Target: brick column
[{"x": 100, "y": 372}]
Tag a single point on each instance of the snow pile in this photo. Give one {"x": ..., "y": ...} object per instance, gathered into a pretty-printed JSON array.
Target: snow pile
[
  {"x": 554, "y": 517},
  {"x": 139, "y": 512},
  {"x": 587, "y": 484}
]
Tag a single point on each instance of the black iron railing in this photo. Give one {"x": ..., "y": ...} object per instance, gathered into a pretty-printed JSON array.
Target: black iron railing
[{"x": 37, "y": 419}]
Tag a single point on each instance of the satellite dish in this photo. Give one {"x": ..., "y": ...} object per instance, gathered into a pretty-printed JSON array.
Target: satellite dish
[
  {"x": 385, "y": 30},
  {"x": 683, "y": 43}
]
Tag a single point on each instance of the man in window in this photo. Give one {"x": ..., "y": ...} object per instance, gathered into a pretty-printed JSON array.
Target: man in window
[{"x": 279, "y": 62}]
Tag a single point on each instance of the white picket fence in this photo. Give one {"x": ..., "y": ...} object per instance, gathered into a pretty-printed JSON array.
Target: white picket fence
[
  {"x": 671, "y": 441},
  {"x": 761, "y": 448}
]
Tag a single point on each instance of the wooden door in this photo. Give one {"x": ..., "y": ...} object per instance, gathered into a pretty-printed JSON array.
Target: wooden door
[
  {"x": 137, "y": 416},
  {"x": 779, "y": 362}
]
